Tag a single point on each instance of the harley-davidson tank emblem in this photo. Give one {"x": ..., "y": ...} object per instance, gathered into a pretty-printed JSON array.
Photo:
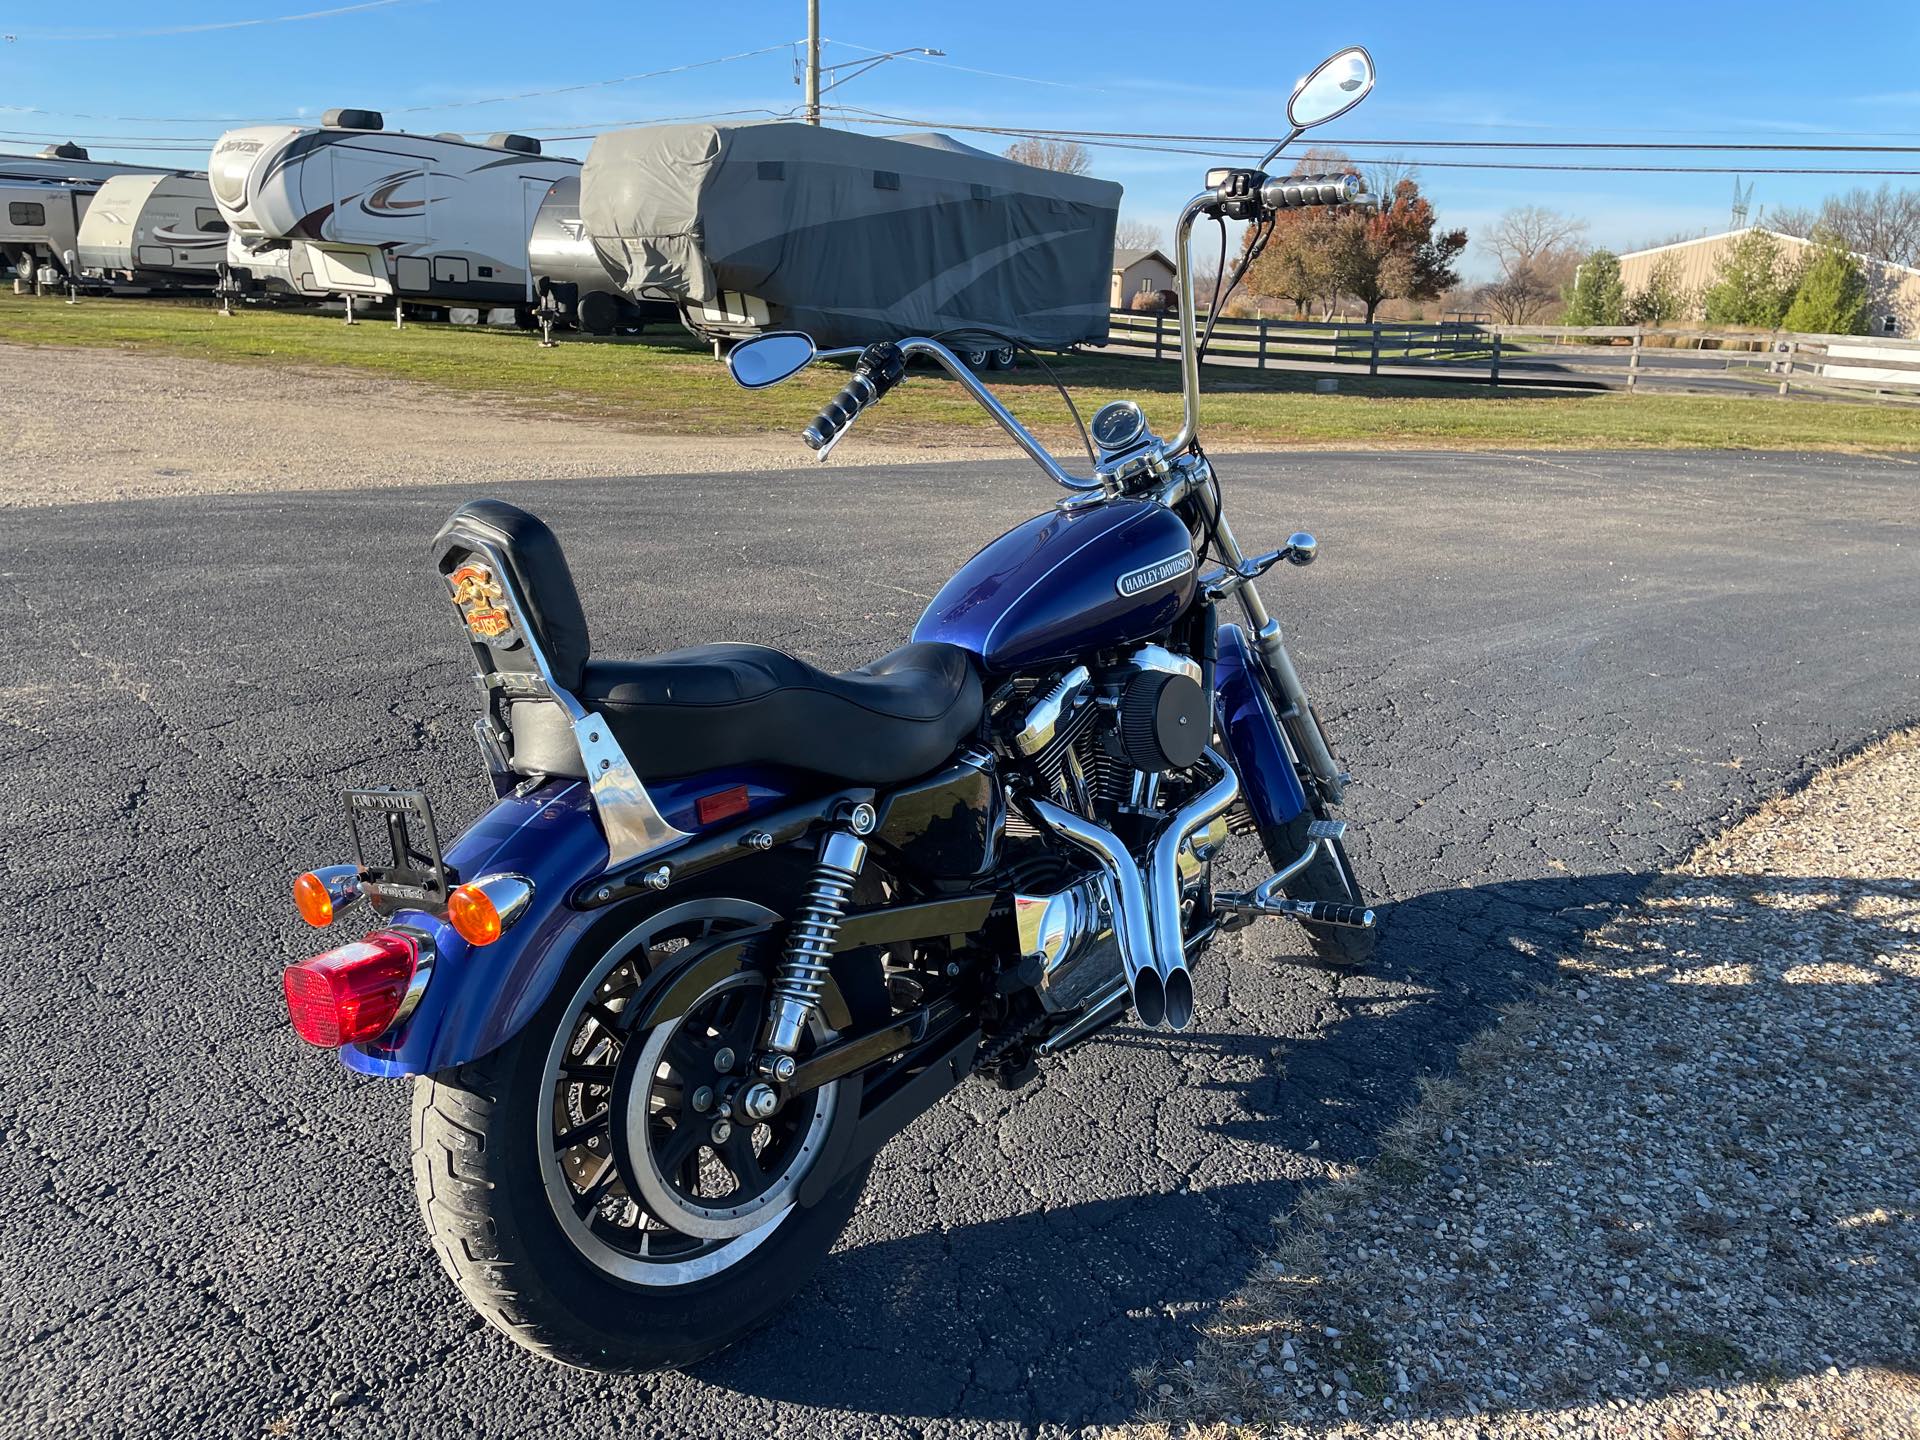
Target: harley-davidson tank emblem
[
  {"x": 1148, "y": 576},
  {"x": 479, "y": 597}
]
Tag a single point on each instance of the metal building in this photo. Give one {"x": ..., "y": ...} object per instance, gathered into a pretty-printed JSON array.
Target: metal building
[{"x": 1893, "y": 291}]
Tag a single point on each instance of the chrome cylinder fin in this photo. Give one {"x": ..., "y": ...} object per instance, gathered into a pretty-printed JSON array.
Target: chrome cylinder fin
[{"x": 810, "y": 939}]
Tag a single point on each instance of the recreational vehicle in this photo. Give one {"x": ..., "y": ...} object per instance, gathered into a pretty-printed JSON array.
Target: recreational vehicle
[
  {"x": 158, "y": 231},
  {"x": 279, "y": 268},
  {"x": 43, "y": 199},
  {"x": 852, "y": 238},
  {"x": 429, "y": 219},
  {"x": 566, "y": 267}
]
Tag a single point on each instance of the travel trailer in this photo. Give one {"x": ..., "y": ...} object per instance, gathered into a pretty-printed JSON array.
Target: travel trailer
[
  {"x": 428, "y": 219},
  {"x": 43, "y": 199},
  {"x": 269, "y": 268},
  {"x": 851, "y": 238},
  {"x": 153, "y": 231},
  {"x": 566, "y": 267}
]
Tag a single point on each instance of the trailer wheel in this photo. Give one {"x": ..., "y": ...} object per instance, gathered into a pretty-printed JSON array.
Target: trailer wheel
[
  {"x": 597, "y": 313},
  {"x": 977, "y": 360},
  {"x": 1001, "y": 359}
]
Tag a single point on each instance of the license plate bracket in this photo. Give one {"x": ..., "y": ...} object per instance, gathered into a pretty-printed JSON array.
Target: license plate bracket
[{"x": 414, "y": 874}]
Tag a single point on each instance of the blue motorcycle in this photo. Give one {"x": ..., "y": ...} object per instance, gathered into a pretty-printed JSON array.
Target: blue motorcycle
[{"x": 734, "y": 922}]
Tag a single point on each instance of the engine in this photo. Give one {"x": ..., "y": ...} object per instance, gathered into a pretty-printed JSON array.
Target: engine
[
  {"x": 1111, "y": 744},
  {"x": 1100, "y": 743}
]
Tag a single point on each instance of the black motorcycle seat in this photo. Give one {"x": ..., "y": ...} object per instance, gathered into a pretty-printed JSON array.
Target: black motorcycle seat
[{"x": 711, "y": 706}]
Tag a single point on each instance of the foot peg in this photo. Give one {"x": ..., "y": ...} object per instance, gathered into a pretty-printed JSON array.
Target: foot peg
[
  {"x": 1238, "y": 907},
  {"x": 1322, "y": 912}
]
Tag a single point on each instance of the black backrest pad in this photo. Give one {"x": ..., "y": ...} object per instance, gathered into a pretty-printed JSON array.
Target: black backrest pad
[{"x": 539, "y": 574}]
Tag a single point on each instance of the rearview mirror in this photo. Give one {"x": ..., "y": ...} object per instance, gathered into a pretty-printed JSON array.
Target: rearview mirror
[
  {"x": 1338, "y": 84},
  {"x": 768, "y": 359}
]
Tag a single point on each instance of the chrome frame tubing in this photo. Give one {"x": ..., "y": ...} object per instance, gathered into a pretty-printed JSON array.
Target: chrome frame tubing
[
  {"x": 1303, "y": 729},
  {"x": 1189, "y": 336},
  {"x": 1023, "y": 437}
]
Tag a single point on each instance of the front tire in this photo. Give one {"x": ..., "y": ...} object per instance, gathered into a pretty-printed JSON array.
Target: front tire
[
  {"x": 579, "y": 1292},
  {"x": 1329, "y": 877}
]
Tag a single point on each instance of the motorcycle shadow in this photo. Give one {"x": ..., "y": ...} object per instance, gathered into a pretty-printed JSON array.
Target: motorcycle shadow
[{"x": 1041, "y": 1316}]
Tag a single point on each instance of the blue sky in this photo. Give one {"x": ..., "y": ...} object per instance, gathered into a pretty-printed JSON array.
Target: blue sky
[{"x": 1755, "y": 71}]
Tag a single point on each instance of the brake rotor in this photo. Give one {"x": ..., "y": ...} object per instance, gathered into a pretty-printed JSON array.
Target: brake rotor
[{"x": 685, "y": 1146}]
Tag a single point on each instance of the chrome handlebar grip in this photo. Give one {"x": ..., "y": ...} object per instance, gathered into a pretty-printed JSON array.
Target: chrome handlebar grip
[{"x": 1296, "y": 192}]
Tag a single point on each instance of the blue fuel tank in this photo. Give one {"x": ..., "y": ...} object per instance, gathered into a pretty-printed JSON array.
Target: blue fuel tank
[{"x": 1066, "y": 582}]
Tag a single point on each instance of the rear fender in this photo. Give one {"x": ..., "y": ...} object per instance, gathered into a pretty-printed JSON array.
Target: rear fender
[
  {"x": 478, "y": 997},
  {"x": 1258, "y": 746}
]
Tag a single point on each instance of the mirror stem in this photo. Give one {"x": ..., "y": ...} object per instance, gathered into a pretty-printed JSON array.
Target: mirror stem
[{"x": 1292, "y": 136}]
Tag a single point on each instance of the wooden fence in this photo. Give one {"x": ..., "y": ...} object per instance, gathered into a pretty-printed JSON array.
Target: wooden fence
[{"x": 1628, "y": 358}]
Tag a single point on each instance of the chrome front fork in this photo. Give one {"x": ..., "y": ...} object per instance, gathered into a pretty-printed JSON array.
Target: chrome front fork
[{"x": 1301, "y": 726}]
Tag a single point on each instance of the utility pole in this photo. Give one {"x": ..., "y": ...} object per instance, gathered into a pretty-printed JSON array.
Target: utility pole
[{"x": 813, "y": 62}]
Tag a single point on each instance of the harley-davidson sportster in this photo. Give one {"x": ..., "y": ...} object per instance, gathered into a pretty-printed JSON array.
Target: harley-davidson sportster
[{"x": 734, "y": 921}]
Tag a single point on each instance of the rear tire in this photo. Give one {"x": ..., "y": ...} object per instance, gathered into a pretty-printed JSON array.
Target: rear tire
[{"x": 482, "y": 1179}]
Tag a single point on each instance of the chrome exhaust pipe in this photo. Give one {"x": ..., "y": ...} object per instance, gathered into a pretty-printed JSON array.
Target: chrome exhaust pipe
[
  {"x": 1131, "y": 926},
  {"x": 1163, "y": 889}
]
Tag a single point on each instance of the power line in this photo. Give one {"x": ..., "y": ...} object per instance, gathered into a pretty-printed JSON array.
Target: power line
[
  {"x": 1038, "y": 133},
  {"x": 1135, "y": 141},
  {"x": 969, "y": 70},
  {"x": 399, "y": 110},
  {"x": 1149, "y": 144}
]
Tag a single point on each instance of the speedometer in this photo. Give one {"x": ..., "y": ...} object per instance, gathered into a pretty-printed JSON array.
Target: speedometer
[{"x": 1117, "y": 425}]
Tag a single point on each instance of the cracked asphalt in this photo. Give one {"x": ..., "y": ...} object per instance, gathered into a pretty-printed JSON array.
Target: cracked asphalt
[{"x": 1550, "y": 673}]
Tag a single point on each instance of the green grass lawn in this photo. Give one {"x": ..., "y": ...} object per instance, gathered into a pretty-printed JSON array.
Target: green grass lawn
[{"x": 673, "y": 384}]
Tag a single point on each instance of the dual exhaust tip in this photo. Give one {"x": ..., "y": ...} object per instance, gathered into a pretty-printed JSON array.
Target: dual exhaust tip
[{"x": 1152, "y": 941}]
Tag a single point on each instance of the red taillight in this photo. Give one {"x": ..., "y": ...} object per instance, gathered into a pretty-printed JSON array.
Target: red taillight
[{"x": 351, "y": 993}]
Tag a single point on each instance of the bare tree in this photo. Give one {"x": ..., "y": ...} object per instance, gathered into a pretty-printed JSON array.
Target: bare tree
[
  {"x": 1883, "y": 223},
  {"x": 1136, "y": 235},
  {"x": 1521, "y": 291},
  {"x": 1532, "y": 234},
  {"x": 1068, "y": 156},
  {"x": 1322, "y": 160},
  {"x": 1383, "y": 176},
  {"x": 1791, "y": 220},
  {"x": 1538, "y": 251}
]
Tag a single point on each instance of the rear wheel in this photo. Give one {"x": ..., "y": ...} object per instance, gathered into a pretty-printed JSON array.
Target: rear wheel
[{"x": 580, "y": 1187}]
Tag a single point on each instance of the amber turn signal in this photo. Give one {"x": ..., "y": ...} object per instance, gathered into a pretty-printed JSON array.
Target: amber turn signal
[
  {"x": 473, "y": 916},
  {"x": 310, "y": 897}
]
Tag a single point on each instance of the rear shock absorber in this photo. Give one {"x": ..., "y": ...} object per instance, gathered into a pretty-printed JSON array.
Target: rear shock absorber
[{"x": 816, "y": 924}]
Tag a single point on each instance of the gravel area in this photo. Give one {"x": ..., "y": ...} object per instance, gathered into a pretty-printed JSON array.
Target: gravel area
[
  {"x": 91, "y": 425},
  {"x": 1676, "y": 1195}
]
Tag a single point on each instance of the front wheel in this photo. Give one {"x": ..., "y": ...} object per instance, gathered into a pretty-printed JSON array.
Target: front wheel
[
  {"x": 580, "y": 1190},
  {"x": 1329, "y": 877}
]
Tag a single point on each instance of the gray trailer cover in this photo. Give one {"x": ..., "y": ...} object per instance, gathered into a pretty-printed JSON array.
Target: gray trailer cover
[{"x": 853, "y": 237}]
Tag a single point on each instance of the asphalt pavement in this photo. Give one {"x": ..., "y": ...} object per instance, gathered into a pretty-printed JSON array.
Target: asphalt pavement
[{"x": 1550, "y": 673}]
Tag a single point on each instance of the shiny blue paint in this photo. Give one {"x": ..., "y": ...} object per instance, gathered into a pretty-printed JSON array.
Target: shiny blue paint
[
  {"x": 768, "y": 786},
  {"x": 478, "y": 997},
  {"x": 1255, "y": 741},
  {"x": 1046, "y": 590}
]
